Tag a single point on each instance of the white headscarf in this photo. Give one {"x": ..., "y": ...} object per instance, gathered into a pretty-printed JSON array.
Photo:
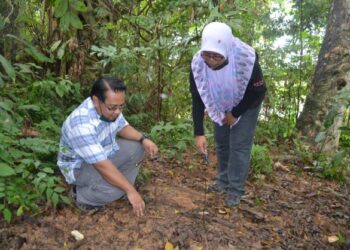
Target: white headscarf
[{"x": 222, "y": 89}]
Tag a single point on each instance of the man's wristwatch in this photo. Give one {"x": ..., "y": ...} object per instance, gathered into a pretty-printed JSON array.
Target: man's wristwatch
[{"x": 144, "y": 136}]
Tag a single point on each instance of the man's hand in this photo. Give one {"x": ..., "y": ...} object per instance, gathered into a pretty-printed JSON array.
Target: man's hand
[
  {"x": 137, "y": 203},
  {"x": 229, "y": 119},
  {"x": 128, "y": 132},
  {"x": 150, "y": 147},
  {"x": 116, "y": 178},
  {"x": 201, "y": 143}
]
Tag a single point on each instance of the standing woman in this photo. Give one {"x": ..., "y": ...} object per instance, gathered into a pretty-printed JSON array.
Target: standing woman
[{"x": 227, "y": 81}]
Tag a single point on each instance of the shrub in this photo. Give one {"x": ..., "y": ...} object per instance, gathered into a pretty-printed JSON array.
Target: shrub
[{"x": 261, "y": 163}]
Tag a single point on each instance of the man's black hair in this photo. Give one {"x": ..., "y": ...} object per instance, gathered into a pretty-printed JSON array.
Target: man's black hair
[{"x": 105, "y": 83}]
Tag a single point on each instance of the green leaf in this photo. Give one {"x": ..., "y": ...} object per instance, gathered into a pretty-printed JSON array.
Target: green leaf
[
  {"x": 10, "y": 71},
  {"x": 17, "y": 154},
  {"x": 3, "y": 21},
  {"x": 42, "y": 187},
  {"x": 7, "y": 215},
  {"x": 60, "y": 90},
  {"x": 54, "y": 199},
  {"x": 50, "y": 182},
  {"x": 64, "y": 22},
  {"x": 236, "y": 25},
  {"x": 181, "y": 145},
  {"x": 61, "y": 8},
  {"x": 42, "y": 175},
  {"x": 49, "y": 192},
  {"x": 48, "y": 170},
  {"x": 7, "y": 105},
  {"x": 6, "y": 170},
  {"x": 37, "y": 55},
  {"x": 55, "y": 45},
  {"x": 32, "y": 50},
  {"x": 78, "y": 6},
  {"x": 65, "y": 199},
  {"x": 19, "y": 211},
  {"x": 59, "y": 189},
  {"x": 214, "y": 13},
  {"x": 75, "y": 21},
  {"x": 5, "y": 157},
  {"x": 60, "y": 52},
  {"x": 24, "y": 68},
  {"x": 29, "y": 107}
]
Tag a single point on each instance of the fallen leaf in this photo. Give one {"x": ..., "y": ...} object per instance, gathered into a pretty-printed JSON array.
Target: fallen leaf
[
  {"x": 203, "y": 213},
  {"x": 28, "y": 132},
  {"x": 136, "y": 248},
  {"x": 222, "y": 211},
  {"x": 169, "y": 246},
  {"x": 171, "y": 173},
  {"x": 177, "y": 211},
  {"x": 252, "y": 213},
  {"x": 332, "y": 239},
  {"x": 197, "y": 248},
  {"x": 280, "y": 166},
  {"x": 77, "y": 235}
]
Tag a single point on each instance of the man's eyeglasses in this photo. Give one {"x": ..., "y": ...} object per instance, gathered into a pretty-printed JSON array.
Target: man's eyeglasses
[
  {"x": 113, "y": 108},
  {"x": 214, "y": 56}
]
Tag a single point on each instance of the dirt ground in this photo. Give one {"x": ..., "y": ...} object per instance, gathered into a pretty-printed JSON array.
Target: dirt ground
[{"x": 290, "y": 209}]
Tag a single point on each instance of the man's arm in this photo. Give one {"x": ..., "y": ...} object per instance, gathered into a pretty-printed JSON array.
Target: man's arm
[
  {"x": 130, "y": 133},
  {"x": 116, "y": 178}
]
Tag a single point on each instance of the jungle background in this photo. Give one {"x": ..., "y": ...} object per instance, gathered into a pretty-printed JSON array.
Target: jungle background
[{"x": 51, "y": 51}]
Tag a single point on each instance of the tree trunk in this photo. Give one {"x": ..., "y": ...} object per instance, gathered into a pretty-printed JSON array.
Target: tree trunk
[
  {"x": 7, "y": 47},
  {"x": 332, "y": 76}
]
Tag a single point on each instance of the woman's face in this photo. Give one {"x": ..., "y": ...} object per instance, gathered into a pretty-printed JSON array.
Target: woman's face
[{"x": 212, "y": 59}]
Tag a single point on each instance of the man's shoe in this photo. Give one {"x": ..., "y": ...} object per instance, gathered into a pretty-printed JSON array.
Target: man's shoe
[
  {"x": 87, "y": 207},
  {"x": 217, "y": 188},
  {"x": 82, "y": 206},
  {"x": 73, "y": 193},
  {"x": 232, "y": 199}
]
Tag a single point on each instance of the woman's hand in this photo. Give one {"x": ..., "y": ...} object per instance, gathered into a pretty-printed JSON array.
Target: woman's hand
[
  {"x": 201, "y": 143},
  {"x": 229, "y": 119}
]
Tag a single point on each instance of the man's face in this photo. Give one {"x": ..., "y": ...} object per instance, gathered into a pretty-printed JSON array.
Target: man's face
[{"x": 113, "y": 105}]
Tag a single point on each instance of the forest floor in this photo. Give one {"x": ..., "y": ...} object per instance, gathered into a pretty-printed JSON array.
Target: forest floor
[{"x": 290, "y": 209}]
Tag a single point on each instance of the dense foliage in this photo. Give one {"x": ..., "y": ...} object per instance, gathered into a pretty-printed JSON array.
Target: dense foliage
[{"x": 51, "y": 51}]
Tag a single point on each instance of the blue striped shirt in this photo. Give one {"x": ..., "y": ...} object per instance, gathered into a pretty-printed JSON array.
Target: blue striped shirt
[{"x": 86, "y": 138}]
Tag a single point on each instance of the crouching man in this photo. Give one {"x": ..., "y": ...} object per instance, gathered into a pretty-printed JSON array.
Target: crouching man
[{"x": 101, "y": 167}]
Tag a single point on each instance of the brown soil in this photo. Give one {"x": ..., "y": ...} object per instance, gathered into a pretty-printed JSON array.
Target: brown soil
[{"x": 290, "y": 209}]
